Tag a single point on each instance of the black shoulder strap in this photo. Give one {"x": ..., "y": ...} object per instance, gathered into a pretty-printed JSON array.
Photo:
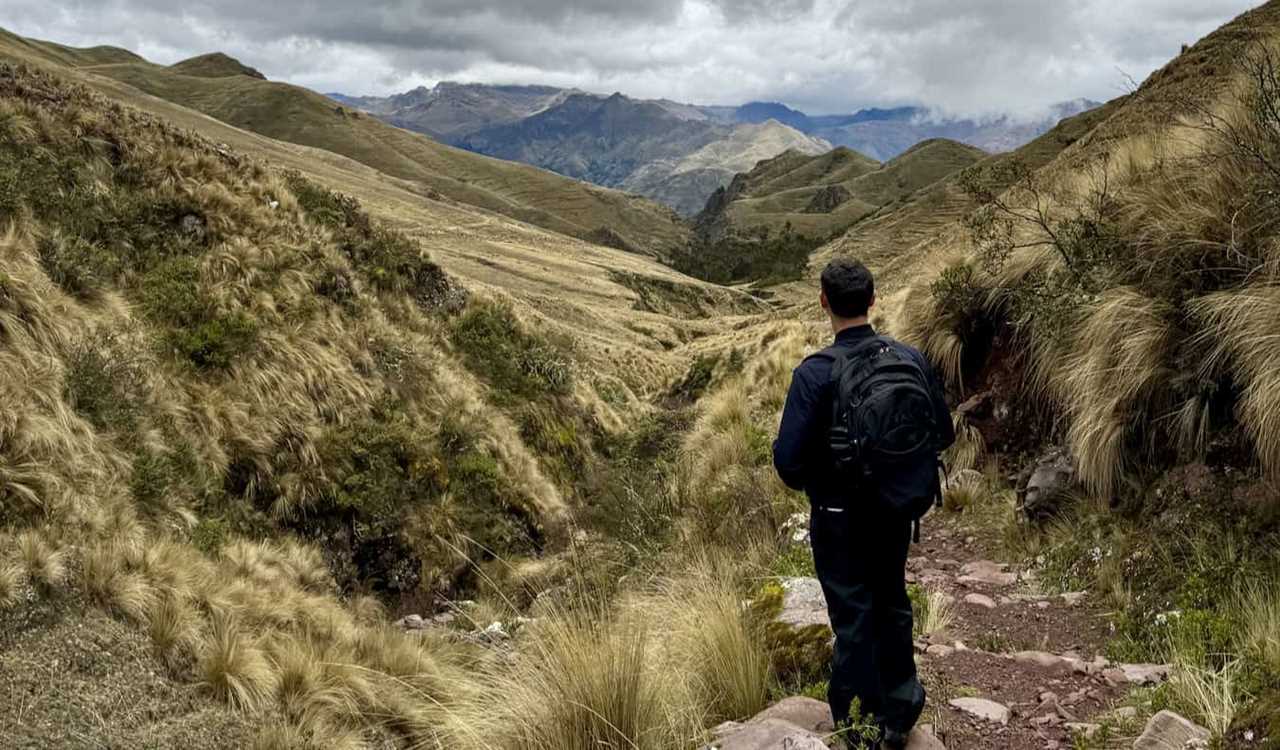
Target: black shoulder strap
[{"x": 837, "y": 354}]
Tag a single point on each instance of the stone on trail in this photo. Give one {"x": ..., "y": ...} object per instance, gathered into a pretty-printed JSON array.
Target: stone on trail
[
  {"x": 1045, "y": 660},
  {"x": 940, "y": 651},
  {"x": 1138, "y": 674},
  {"x": 1169, "y": 731},
  {"x": 980, "y": 600},
  {"x": 986, "y": 572},
  {"x": 982, "y": 708},
  {"x": 802, "y": 603}
]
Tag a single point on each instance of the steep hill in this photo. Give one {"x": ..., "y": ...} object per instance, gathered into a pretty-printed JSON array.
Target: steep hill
[
  {"x": 247, "y": 415},
  {"x": 215, "y": 65},
  {"x": 819, "y": 196},
  {"x": 295, "y": 115}
]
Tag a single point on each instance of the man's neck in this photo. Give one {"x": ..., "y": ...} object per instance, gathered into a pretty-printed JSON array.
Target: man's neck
[{"x": 844, "y": 324}]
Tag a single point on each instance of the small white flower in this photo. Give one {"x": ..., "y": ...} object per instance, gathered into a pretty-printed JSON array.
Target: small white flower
[{"x": 1248, "y": 735}]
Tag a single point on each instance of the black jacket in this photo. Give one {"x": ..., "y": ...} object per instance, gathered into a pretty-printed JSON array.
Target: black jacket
[{"x": 801, "y": 454}]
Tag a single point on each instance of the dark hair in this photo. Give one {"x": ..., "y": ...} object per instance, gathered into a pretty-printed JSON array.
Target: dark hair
[{"x": 849, "y": 287}]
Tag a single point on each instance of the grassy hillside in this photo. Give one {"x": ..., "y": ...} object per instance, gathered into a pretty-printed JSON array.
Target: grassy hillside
[
  {"x": 295, "y": 115},
  {"x": 765, "y": 224},
  {"x": 896, "y": 238},
  {"x": 775, "y": 195},
  {"x": 214, "y": 65}
]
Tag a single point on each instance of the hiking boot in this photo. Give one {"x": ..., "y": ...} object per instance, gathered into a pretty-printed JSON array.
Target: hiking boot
[{"x": 892, "y": 739}]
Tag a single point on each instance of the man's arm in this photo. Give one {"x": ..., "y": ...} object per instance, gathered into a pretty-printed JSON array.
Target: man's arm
[{"x": 795, "y": 433}]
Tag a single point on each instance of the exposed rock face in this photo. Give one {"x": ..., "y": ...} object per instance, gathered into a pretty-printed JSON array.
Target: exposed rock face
[
  {"x": 1169, "y": 731},
  {"x": 828, "y": 199},
  {"x": 1052, "y": 477}
]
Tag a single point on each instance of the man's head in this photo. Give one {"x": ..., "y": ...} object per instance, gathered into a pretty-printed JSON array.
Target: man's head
[{"x": 848, "y": 291}]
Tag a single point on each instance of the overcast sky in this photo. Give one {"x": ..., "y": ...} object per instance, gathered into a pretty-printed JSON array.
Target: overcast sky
[{"x": 822, "y": 56}]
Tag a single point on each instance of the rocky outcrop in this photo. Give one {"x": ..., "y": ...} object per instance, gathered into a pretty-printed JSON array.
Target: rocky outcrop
[
  {"x": 1050, "y": 480},
  {"x": 828, "y": 199},
  {"x": 1169, "y": 731}
]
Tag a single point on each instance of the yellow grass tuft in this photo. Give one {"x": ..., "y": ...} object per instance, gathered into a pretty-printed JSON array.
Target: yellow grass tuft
[
  {"x": 110, "y": 584},
  {"x": 232, "y": 666},
  {"x": 11, "y": 580},
  {"x": 1260, "y": 632},
  {"x": 938, "y": 613},
  {"x": 705, "y": 631},
  {"x": 1239, "y": 330},
  {"x": 45, "y": 565}
]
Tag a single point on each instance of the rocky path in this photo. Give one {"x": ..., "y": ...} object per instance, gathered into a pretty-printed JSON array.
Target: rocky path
[{"x": 1013, "y": 669}]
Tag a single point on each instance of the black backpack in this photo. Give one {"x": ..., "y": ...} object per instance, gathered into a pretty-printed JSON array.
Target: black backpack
[{"x": 884, "y": 434}]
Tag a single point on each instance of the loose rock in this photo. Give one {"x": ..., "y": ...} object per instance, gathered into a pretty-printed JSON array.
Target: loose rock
[
  {"x": 982, "y": 708},
  {"x": 1169, "y": 731},
  {"x": 980, "y": 600}
]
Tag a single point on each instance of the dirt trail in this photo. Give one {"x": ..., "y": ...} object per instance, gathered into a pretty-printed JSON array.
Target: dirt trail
[{"x": 1039, "y": 656}]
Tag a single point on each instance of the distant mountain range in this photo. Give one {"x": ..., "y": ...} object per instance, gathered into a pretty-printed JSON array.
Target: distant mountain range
[{"x": 675, "y": 153}]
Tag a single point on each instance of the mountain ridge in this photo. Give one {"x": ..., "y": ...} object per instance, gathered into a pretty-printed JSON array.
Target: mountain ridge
[{"x": 619, "y": 141}]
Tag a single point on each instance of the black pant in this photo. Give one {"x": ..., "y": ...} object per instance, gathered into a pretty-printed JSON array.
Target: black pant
[{"x": 861, "y": 563}]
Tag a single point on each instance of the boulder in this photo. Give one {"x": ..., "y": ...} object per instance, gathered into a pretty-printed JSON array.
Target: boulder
[
  {"x": 803, "y": 603},
  {"x": 806, "y": 713},
  {"x": 1051, "y": 477},
  {"x": 982, "y": 708},
  {"x": 1169, "y": 731},
  {"x": 766, "y": 734}
]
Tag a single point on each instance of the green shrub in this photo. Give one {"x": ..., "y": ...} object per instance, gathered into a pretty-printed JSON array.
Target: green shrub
[
  {"x": 106, "y": 382},
  {"x": 518, "y": 365},
  {"x": 389, "y": 259},
  {"x": 197, "y": 331},
  {"x": 169, "y": 479},
  {"x": 761, "y": 257},
  {"x": 695, "y": 382},
  {"x": 79, "y": 267}
]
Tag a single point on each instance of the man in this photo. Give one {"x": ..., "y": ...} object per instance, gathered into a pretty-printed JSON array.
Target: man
[{"x": 864, "y": 507}]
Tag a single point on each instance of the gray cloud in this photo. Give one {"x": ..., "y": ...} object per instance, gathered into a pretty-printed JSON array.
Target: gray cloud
[{"x": 962, "y": 57}]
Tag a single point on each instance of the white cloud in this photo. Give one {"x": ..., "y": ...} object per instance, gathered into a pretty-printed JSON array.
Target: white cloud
[{"x": 963, "y": 57}]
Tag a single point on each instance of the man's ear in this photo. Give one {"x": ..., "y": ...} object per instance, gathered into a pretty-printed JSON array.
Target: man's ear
[
  {"x": 872, "y": 303},
  {"x": 822, "y": 300}
]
